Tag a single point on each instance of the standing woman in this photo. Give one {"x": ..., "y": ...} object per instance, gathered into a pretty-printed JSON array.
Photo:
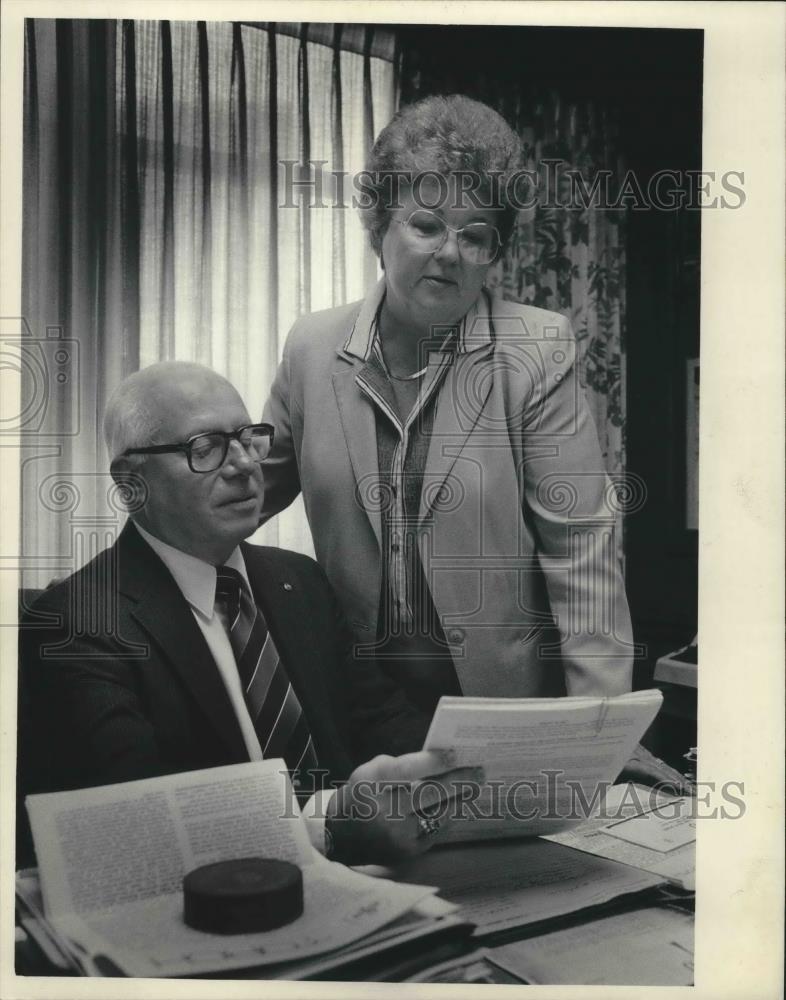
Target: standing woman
[{"x": 450, "y": 469}]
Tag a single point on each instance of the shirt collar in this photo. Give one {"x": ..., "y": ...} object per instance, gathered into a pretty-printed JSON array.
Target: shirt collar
[
  {"x": 195, "y": 577},
  {"x": 475, "y": 329}
]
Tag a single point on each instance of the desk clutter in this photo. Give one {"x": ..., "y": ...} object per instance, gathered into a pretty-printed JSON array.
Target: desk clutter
[
  {"x": 112, "y": 861},
  {"x": 107, "y": 898}
]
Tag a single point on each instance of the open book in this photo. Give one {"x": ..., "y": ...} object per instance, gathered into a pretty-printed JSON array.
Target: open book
[
  {"x": 112, "y": 860},
  {"x": 546, "y": 759}
]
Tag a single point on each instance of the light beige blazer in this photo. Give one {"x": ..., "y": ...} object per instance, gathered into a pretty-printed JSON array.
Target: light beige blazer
[{"x": 517, "y": 512}]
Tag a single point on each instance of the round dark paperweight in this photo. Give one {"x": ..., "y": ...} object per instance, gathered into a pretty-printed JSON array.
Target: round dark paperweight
[{"x": 242, "y": 896}]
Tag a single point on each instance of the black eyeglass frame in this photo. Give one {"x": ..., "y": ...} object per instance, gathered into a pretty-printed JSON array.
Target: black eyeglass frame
[
  {"x": 458, "y": 232},
  {"x": 186, "y": 446}
]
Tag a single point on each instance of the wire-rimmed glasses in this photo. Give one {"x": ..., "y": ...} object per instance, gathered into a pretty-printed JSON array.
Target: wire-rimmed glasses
[{"x": 478, "y": 242}]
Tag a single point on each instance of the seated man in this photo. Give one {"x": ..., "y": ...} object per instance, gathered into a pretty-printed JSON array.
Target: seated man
[{"x": 179, "y": 648}]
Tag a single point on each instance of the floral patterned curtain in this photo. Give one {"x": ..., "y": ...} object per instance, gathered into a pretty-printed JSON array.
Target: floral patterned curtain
[
  {"x": 571, "y": 258},
  {"x": 567, "y": 253}
]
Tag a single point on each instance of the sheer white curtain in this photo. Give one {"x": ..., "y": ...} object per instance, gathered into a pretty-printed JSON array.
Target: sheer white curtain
[
  {"x": 242, "y": 251},
  {"x": 158, "y": 223}
]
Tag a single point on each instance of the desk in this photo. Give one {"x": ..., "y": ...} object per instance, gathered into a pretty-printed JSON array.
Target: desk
[
  {"x": 632, "y": 945},
  {"x": 595, "y": 935}
]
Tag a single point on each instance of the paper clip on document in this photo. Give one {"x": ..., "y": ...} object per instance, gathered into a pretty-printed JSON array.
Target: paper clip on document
[{"x": 604, "y": 708}]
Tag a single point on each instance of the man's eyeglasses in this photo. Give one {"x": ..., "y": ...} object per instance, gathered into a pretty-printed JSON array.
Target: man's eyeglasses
[
  {"x": 207, "y": 452},
  {"x": 427, "y": 232}
]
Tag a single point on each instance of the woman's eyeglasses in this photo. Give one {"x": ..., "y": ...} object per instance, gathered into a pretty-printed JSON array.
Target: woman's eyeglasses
[
  {"x": 427, "y": 232},
  {"x": 207, "y": 452}
]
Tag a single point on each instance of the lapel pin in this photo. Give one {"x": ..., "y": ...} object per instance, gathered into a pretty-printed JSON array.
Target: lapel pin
[{"x": 287, "y": 586}]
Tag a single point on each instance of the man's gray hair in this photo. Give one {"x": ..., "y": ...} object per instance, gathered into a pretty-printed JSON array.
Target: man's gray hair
[{"x": 131, "y": 418}]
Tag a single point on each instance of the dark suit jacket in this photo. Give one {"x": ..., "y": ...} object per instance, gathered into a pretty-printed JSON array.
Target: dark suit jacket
[{"x": 121, "y": 684}]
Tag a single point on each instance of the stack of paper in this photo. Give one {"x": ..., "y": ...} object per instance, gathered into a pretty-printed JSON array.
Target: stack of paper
[
  {"x": 502, "y": 885},
  {"x": 408, "y": 940},
  {"x": 112, "y": 860},
  {"x": 545, "y": 759}
]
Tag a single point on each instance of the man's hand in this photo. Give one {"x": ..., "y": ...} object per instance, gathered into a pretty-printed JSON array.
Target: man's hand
[
  {"x": 393, "y": 808},
  {"x": 646, "y": 769}
]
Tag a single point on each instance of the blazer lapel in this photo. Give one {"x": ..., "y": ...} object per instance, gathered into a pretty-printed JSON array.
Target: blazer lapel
[
  {"x": 460, "y": 404},
  {"x": 165, "y": 615},
  {"x": 360, "y": 433}
]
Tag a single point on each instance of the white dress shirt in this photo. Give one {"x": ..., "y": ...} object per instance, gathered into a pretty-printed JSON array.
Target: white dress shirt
[{"x": 197, "y": 582}]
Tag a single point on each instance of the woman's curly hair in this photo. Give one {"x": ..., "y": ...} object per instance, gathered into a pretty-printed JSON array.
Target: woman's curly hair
[{"x": 445, "y": 135}]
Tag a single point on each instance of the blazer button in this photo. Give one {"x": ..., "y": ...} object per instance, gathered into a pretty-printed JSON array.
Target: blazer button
[{"x": 456, "y": 636}]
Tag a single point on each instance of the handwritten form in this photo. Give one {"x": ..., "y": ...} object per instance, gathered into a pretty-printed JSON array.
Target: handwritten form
[
  {"x": 664, "y": 846},
  {"x": 657, "y": 832}
]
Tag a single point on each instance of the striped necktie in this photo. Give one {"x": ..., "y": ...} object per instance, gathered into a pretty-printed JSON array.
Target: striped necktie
[{"x": 274, "y": 708}]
